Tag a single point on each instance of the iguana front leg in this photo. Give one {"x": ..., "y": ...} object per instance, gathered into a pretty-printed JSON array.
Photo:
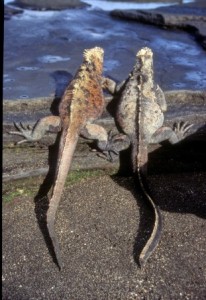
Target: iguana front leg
[
  {"x": 46, "y": 124},
  {"x": 111, "y": 86},
  {"x": 160, "y": 98}
]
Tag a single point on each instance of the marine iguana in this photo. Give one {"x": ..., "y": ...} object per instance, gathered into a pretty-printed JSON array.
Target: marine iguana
[
  {"x": 140, "y": 115},
  {"x": 82, "y": 103}
]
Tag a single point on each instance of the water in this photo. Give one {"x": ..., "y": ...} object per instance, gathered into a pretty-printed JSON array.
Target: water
[{"x": 42, "y": 46}]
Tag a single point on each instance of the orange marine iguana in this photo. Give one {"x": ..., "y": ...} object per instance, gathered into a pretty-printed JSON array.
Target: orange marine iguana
[
  {"x": 82, "y": 103},
  {"x": 140, "y": 115}
]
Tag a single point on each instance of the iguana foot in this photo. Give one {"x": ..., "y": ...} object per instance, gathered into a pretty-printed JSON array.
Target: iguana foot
[
  {"x": 25, "y": 131},
  {"x": 181, "y": 129},
  {"x": 174, "y": 136},
  {"x": 35, "y": 133},
  {"x": 115, "y": 144}
]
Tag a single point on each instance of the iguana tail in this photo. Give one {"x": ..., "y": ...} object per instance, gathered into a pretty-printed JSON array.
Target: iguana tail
[
  {"x": 153, "y": 241},
  {"x": 67, "y": 147},
  {"x": 139, "y": 157}
]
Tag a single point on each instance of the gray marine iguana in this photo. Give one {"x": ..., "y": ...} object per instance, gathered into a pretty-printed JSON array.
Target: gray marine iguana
[
  {"x": 140, "y": 116},
  {"x": 82, "y": 103}
]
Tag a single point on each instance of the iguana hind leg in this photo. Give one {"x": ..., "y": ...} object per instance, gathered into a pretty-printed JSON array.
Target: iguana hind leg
[
  {"x": 172, "y": 135},
  {"x": 108, "y": 143}
]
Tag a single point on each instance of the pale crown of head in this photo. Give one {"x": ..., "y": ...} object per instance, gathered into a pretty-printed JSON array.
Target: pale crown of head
[
  {"x": 94, "y": 53},
  {"x": 144, "y": 52}
]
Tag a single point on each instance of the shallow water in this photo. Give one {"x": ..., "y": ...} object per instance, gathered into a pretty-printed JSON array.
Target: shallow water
[{"x": 41, "y": 46}]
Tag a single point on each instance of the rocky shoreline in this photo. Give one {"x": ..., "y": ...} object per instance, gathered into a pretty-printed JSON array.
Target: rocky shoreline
[{"x": 187, "y": 106}]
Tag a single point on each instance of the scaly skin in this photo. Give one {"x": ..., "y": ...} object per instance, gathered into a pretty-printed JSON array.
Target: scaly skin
[
  {"x": 140, "y": 115},
  {"x": 81, "y": 104}
]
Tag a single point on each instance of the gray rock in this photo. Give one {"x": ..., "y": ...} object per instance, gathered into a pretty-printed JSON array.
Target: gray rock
[
  {"x": 50, "y": 4},
  {"x": 9, "y": 11},
  {"x": 191, "y": 18}
]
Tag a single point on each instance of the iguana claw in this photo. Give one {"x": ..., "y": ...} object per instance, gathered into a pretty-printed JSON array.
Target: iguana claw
[
  {"x": 181, "y": 129},
  {"x": 26, "y": 132},
  {"x": 116, "y": 143}
]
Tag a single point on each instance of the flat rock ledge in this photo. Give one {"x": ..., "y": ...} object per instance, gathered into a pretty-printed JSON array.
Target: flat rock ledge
[
  {"x": 180, "y": 103},
  {"x": 31, "y": 159},
  {"x": 49, "y": 4},
  {"x": 189, "y": 17}
]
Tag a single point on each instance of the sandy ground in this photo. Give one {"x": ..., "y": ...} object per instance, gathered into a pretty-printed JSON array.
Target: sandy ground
[{"x": 102, "y": 226}]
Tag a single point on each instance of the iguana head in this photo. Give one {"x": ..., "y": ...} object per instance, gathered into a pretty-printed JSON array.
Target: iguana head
[
  {"x": 144, "y": 65},
  {"x": 145, "y": 52},
  {"x": 145, "y": 58},
  {"x": 94, "y": 58}
]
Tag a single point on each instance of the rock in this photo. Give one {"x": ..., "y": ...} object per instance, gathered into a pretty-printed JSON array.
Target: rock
[
  {"x": 191, "y": 18},
  {"x": 183, "y": 105},
  {"x": 10, "y": 11},
  {"x": 49, "y": 4}
]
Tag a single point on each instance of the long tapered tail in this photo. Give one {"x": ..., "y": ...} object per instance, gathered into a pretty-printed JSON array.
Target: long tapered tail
[
  {"x": 67, "y": 147},
  {"x": 145, "y": 92},
  {"x": 154, "y": 239}
]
